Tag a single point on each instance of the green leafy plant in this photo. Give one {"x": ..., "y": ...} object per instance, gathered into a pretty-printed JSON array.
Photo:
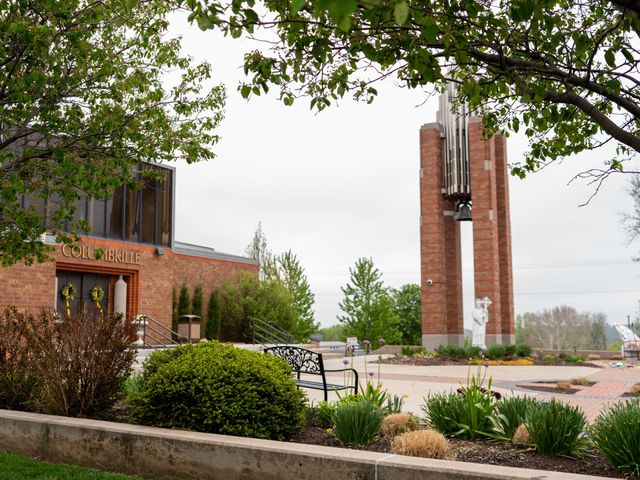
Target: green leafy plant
[
  {"x": 453, "y": 352},
  {"x": 511, "y": 413},
  {"x": 324, "y": 414},
  {"x": 472, "y": 352},
  {"x": 374, "y": 394},
  {"x": 394, "y": 404},
  {"x": 214, "y": 317},
  {"x": 497, "y": 351},
  {"x": 468, "y": 413},
  {"x": 523, "y": 350},
  {"x": 555, "y": 427},
  {"x": 216, "y": 388},
  {"x": 615, "y": 433},
  {"x": 408, "y": 351},
  {"x": 357, "y": 423}
]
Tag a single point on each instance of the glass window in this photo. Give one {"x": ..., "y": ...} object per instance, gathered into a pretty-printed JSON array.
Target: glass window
[
  {"x": 147, "y": 209},
  {"x": 132, "y": 215},
  {"x": 163, "y": 209},
  {"x": 96, "y": 217},
  {"x": 114, "y": 214}
]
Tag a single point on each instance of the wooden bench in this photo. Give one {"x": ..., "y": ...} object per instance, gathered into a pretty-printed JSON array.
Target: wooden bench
[{"x": 310, "y": 362}]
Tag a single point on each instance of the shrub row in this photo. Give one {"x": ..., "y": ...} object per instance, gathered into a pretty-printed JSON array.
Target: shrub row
[
  {"x": 494, "y": 352},
  {"x": 73, "y": 366}
]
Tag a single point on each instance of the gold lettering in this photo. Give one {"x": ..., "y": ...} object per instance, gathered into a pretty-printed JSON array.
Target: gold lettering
[
  {"x": 137, "y": 258},
  {"x": 76, "y": 251},
  {"x": 119, "y": 256},
  {"x": 84, "y": 252},
  {"x": 127, "y": 257},
  {"x": 91, "y": 252},
  {"x": 111, "y": 254},
  {"x": 65, "y": 250}
]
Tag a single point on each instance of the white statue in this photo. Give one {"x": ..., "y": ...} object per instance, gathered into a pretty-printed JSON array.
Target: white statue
[{"x": 480, "y": 316}]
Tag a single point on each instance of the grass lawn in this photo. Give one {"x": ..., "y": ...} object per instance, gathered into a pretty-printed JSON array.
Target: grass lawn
[{"x": 17, "y": 467}]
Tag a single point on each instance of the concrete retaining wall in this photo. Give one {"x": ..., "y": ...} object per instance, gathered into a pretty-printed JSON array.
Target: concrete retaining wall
[{"x": 161, "y": 453}]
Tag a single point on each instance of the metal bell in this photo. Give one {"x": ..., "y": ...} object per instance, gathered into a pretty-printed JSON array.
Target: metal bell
[{"x": 464, "y": 213}]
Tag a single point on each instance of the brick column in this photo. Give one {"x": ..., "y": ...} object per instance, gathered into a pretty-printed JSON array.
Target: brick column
[
  {"x": 485, "y": 226},
  {"x": 440, "y": 249},
  {"x": 504, "y": 242}
]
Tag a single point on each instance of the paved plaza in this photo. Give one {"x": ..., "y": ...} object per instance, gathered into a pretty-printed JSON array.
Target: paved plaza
[{"x": 418, "y": 381}]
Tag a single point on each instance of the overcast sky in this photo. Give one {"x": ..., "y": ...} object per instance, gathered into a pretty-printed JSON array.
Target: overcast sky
[{"x": 343, "y": 184}]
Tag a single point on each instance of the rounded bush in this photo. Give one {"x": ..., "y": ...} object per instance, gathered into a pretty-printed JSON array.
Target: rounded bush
[
  {"x": 497, "y": 351},
  {"x": 218, "y": 388},
  {"x": 615, "y": 433},
  {"x": 421, "y": 443},
  {"x": 397, "y": 423},
  {"x": 523, "y": 350}
]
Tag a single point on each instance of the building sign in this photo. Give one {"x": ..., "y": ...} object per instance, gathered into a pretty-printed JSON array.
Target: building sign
[{"x": 113, "y": 255}]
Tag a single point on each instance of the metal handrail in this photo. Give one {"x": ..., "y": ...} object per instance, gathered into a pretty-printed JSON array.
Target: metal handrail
[
  {"x": 269, "y": 333},
  {"x": 150, "y": 323}
]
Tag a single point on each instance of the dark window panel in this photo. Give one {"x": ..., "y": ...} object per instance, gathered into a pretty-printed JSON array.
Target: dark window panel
[
  {"x": 114, "y": 214},
  {"x": 163, "y": 210},
  {"x": 147, "y": 209},
  {"x": 132, "y": 215}
]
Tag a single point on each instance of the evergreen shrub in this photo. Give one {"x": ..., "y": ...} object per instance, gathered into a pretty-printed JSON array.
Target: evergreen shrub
[{"x": 216, "y": 388}]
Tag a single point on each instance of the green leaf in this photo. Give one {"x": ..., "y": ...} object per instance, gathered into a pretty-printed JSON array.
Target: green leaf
[
  {"x": 296, "y": 6},
  {"x": 401, "y": 12},
  {"x": 610, "y": 58}
]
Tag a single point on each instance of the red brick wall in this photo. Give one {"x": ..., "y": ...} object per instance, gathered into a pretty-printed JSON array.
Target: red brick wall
[
  {"x": 150, "y": 284},
  {"x": 442, "y": 309},
  {"x": 439, "y": 244}
]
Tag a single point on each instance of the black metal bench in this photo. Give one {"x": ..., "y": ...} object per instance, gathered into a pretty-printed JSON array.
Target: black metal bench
[{"x": 310, "y": 362}]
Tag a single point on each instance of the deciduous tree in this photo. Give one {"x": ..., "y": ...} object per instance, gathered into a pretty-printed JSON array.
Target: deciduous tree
[
  {"x": 407, "y": 306},
  {"x": 563, "y": 71},
  {"x": 367, "y": 306},
  {"x": 88, "y": 90}
]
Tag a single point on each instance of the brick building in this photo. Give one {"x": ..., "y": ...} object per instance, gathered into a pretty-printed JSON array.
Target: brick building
[
  {"x": 458, "y": 168},
  {"x": 130, "y": 256}
]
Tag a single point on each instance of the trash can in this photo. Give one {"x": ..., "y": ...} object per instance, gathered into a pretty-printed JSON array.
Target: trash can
[{"x": 189, "y": 328}]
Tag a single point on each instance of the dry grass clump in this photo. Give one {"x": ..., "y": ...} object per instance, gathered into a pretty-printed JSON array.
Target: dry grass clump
[
  {"x": 593, "y": 356},
  {"x": 563, "y": 386},
  {"x": 578, "y": 381},
  {"x": 522, "y": 436},
  {"x": 421, "y": 443},
  {"x": 617, "y": 357},
  {"x": 398, "y": 423},
  {"x": 635, "y": 389}
]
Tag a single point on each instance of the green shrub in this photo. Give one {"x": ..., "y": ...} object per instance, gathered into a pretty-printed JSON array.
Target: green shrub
[
  {"x": 357, "y": 423},
  {"x": 511, "y": 413},
  {"x": 214, "y": 318},
  {"x": 375, "y": 395},
  {"x": 442, "y": 411},
  {"x": 615, "y": 433},
  {"x": 523, "y": 350},
  {"x": 408, "y": 351},
  {"x": 324, "y": 414},
  {"x": 574, "y": 358},
  {"x": 472, "y": 352},
  {"x": 555, "y": 427},
  {"x": 394, "y": 404},
  {"x": 197, "y": 302},
  {"x": 218, "y": 388},
  {"x": 497, "y": 351},
  {"x": 451, "y": 351},
  {"x": 468, "y": 413},
  {"x": 510, "y": 350}
]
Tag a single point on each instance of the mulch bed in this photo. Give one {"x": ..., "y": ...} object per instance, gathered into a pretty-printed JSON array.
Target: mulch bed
[
  {"x": 438, "y": 361},
  {"x": 486, "y": 452}
]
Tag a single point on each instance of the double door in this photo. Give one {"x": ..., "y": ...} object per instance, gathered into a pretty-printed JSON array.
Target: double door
[{"x": 80, "y": 291}]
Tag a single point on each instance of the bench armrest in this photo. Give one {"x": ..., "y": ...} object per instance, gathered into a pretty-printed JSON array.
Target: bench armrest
[{"x": 355, "y": 376}]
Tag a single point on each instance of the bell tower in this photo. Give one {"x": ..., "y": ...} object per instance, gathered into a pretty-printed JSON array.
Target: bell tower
[{"x": 463, "y": 177}]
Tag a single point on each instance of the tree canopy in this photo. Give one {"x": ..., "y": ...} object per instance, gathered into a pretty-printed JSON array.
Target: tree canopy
[
  {"x": 563, "y": 71},
  {"x": 88, "y": 90}
]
